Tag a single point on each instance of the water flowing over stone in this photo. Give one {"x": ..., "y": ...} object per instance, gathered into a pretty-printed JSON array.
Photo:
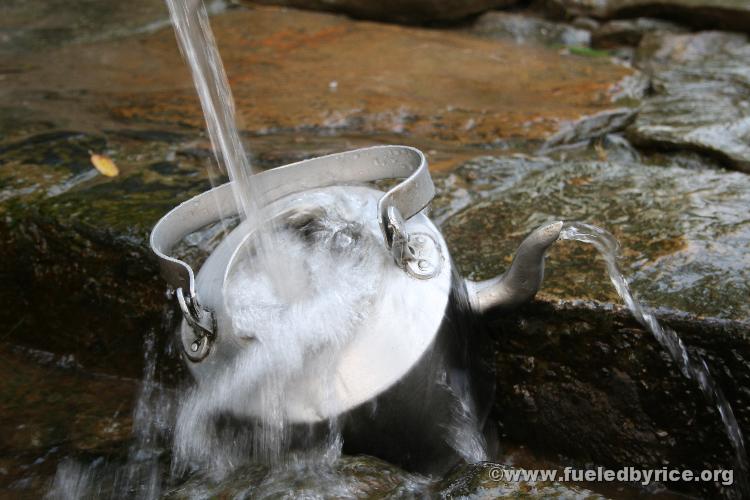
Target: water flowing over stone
[
  {"x": 348, "y": 477},
  {"x": 141, "y": 473},
  {"x": 691, "y": 365},
  {"x": 672, "y": 203},
  {"x": 52, "y": 409}
]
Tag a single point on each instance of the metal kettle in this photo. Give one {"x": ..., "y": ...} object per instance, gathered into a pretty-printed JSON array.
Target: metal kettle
[{"x": 416, "y": 359}]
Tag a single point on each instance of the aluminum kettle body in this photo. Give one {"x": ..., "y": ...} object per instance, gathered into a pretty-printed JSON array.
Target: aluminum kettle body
[{"x": 415, "y": 380}]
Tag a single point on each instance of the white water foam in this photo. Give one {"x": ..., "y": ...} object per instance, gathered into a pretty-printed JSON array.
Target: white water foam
[{"x": 337, "y": 267}]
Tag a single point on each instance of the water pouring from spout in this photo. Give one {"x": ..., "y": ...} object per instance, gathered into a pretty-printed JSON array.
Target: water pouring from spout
[{"x": 691, "y": 365}]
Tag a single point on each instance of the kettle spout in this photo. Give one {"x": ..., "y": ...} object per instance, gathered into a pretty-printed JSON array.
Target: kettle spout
[{"x": 521, "y": 282}]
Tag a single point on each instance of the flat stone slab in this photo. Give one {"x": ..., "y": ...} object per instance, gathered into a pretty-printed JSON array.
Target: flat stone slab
[
  {"x": 700, "y": 101},
  {"x": 685, "y": 233},
  {"x": 306, "y": 72}
]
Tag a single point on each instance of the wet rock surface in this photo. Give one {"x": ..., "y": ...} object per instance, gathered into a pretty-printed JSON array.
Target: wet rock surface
[
  {"x": 309, "y": 73},
  {"x": 684, "y": 233},
  {"x": 403, "y": 11},
  {"x": 50, "y": 408},
  {"x": 525, "y": 29},
  {"x": 724, "y": 14},
  {"x": 630, "y": 32},
  {"x": 86, "y": 249},
  {"x": 30, "y": 25},
  {"x": 577, "y": 375},
  {"x": 699, "y": 101},
  {"x": 589, "y": 128},
  {"x": 350, "y": 477},
  {"x": 481, "y": 480},
  {"x": 585, "y": 378}
]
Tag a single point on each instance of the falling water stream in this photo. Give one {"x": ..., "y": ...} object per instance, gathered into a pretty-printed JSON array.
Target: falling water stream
[
  {"x": 198, "y": 46},
  {"x": 692, "y": 365},
  {"x": 281, "y": 283}
]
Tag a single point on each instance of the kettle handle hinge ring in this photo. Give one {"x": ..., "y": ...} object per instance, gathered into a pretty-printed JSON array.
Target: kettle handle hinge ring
[
  {"x": 202, "y": 323},
  {"x": 418, "y": 254}
]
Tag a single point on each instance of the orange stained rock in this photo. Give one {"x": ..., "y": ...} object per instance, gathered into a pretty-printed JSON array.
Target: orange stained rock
[{"x": 297, "y": 70}]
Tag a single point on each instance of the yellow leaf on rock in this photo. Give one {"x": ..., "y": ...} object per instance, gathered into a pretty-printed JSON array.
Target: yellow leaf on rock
[{"x": 105, "y": 165}]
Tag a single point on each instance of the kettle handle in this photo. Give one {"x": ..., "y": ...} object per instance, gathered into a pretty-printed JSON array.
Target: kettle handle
[
  {"x": 522, "y": 280},
  {"x": 402, "y": 202}
]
